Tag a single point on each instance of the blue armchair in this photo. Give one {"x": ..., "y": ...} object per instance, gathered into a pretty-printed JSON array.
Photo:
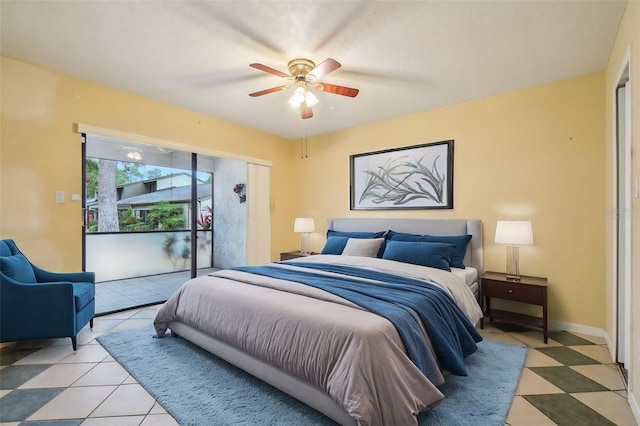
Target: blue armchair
[{"x": 37, "y": 304}]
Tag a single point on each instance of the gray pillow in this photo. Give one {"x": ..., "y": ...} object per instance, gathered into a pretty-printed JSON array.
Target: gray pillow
[{"x": 362, "y": 247}]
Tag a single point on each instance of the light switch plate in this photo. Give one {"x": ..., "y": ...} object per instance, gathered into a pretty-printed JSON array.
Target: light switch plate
[{"x": 59, "y": 196}]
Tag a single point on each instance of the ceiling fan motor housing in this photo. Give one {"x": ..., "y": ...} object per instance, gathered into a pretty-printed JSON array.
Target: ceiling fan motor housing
[{"x": 300, "y": 67}]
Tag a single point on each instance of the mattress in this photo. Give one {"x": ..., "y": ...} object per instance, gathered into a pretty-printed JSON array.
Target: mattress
[
  {"x": 470, "y": 277},
  {"x": 468, "y": 274},
  {"x": 271, "y": 319}
]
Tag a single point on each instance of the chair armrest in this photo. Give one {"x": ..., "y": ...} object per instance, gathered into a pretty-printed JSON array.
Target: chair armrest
[
  {"x": 52, "y": 302},
  {"x": 43, "y": 276},
  {"x": 11, "y": 287}
]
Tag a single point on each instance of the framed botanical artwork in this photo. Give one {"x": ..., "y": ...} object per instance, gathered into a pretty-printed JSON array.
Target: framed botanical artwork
[{"x": 412, "y": 177}]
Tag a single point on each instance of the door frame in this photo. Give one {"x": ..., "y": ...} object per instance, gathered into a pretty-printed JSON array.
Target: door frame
[
  {"x": 83, "y": 198},
  {"x": 260, "y": 245},
  {"x": 623, "y": 75}
]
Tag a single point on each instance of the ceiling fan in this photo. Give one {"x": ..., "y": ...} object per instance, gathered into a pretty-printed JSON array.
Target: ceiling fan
[{"x": 304, "y": 74}]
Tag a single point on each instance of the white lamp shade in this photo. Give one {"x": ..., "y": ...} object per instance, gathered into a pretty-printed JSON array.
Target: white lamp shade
[
  {"x": 514, "y": 232},
  {"x": 304, "y": 224},
  {"x": 293, "y": 103}
]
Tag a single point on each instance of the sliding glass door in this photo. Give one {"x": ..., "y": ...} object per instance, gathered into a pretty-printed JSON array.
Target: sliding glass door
[
  {"x": 139, "y": 208},
  {"x": 148, "y": 216},
  {"x": 155, "y": 230}
]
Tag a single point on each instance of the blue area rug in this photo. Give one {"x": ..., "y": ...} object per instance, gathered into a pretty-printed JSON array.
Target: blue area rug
[{"x": 197, "y": 388}]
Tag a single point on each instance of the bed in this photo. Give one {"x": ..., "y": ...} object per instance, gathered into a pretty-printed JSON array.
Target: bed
[{"x": 315, "y": 344}]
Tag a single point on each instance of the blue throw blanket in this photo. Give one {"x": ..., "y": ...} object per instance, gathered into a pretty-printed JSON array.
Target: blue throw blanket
[{"x": 452, "y": 336}]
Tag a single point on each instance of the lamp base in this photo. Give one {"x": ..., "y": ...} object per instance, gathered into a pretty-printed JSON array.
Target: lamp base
[
  {"x": 513, "y": 263},
  {"x": 304, "y": 243}
]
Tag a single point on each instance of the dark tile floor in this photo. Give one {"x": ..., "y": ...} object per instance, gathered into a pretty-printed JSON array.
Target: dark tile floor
[
  {"x": 118, "y": 295},
  {"x": 569, "y": 381}
]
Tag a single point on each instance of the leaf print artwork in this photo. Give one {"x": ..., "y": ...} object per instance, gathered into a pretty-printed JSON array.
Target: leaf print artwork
[
  {"x": 402, "y": 182},
  {"x": 415, "y": 177}
]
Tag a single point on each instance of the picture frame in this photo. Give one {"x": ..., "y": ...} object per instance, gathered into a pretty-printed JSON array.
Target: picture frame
[{"x": 407, "y": 178}]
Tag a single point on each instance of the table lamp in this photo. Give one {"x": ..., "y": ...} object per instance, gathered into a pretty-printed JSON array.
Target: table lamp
[
  {"x": 304, "y": 226},
  {"x": 514, "y": 233}
]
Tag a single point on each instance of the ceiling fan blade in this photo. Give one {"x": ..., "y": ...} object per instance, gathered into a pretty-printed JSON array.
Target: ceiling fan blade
[
  {"x": 267, "y": 91},
  {"x": 305, "y": 111},
  {"x": 338, "y": 90},
  {"x": 269, "y": 70},
  {"x": 323, "y": 68}
]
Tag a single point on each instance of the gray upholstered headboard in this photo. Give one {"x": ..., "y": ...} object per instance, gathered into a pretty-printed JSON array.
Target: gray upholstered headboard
[{"x": 471, "y": 227}]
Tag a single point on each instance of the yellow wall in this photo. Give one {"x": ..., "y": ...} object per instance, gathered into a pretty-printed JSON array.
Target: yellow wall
[
  {"x": 543, "y": 154},
  {"x": 40, "y": 152},
  {"x": 531, "y": 154},
  {"x": 627, "y": 43}
]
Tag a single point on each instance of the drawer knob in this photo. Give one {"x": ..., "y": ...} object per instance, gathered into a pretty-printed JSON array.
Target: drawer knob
[{"x": 510, "y": 291}]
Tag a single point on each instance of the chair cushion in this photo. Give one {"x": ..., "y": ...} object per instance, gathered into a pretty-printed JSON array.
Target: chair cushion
[
  {"x": 8, "y": 248},
  {"x": 83, "y": 293},
  {"x": 18, "y": 268}
]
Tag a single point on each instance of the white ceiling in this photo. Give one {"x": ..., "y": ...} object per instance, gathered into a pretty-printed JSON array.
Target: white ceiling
[{"x": 404, "y": 56}]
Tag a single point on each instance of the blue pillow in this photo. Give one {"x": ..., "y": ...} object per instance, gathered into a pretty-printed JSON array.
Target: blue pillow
[
  {"x": 18, "y": 268},
  {"x": 459, "y": 241},
  {"x": 334, "y": 245},
  {"x": 347, "y": 235},
  {"x": 434, "y": 255},
  {"x": 380, "y": 234}
]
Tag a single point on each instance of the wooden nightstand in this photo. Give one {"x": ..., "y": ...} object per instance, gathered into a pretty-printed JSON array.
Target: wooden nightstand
[
  {"x": 293, "y": 255},
  {"x": 532, "y": 290}
]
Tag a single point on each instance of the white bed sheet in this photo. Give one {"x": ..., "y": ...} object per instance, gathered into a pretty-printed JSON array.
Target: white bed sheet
[{"x": 468, "y": 274}]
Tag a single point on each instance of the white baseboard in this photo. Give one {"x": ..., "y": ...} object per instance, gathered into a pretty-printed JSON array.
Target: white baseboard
[
  {"x": 578, "y": 328},
  {"x": 610, "y": 346},
  {"x": 633, "y": 403}
]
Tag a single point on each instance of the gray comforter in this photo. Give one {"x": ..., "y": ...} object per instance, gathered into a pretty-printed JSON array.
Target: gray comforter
[{"x": 357, "y": 357}]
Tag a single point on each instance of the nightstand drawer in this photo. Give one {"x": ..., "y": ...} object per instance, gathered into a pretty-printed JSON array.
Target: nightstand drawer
[{"x": 515, "y": 291}]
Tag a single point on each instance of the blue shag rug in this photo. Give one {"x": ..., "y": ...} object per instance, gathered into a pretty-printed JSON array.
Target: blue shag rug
[{"x": 197, "y": 388}]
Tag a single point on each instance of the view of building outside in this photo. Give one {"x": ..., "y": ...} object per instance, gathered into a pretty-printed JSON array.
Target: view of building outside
[
  {"x": 139, "y": 219},
  {"x": 126, "y": 197}
]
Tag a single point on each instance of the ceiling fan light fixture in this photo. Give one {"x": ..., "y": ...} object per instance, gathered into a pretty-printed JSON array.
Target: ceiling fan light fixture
[
  {"x": 134, "y": 155},
  {"x": 304, "y": 75},
  {"x": 310, "y": 98},
  {"x": 298, "y": 96}
]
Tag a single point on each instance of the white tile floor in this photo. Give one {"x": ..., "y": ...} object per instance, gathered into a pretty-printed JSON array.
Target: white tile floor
[
  {"x": 99, "y": 392},
  {"x": 96, "y": 391}
]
